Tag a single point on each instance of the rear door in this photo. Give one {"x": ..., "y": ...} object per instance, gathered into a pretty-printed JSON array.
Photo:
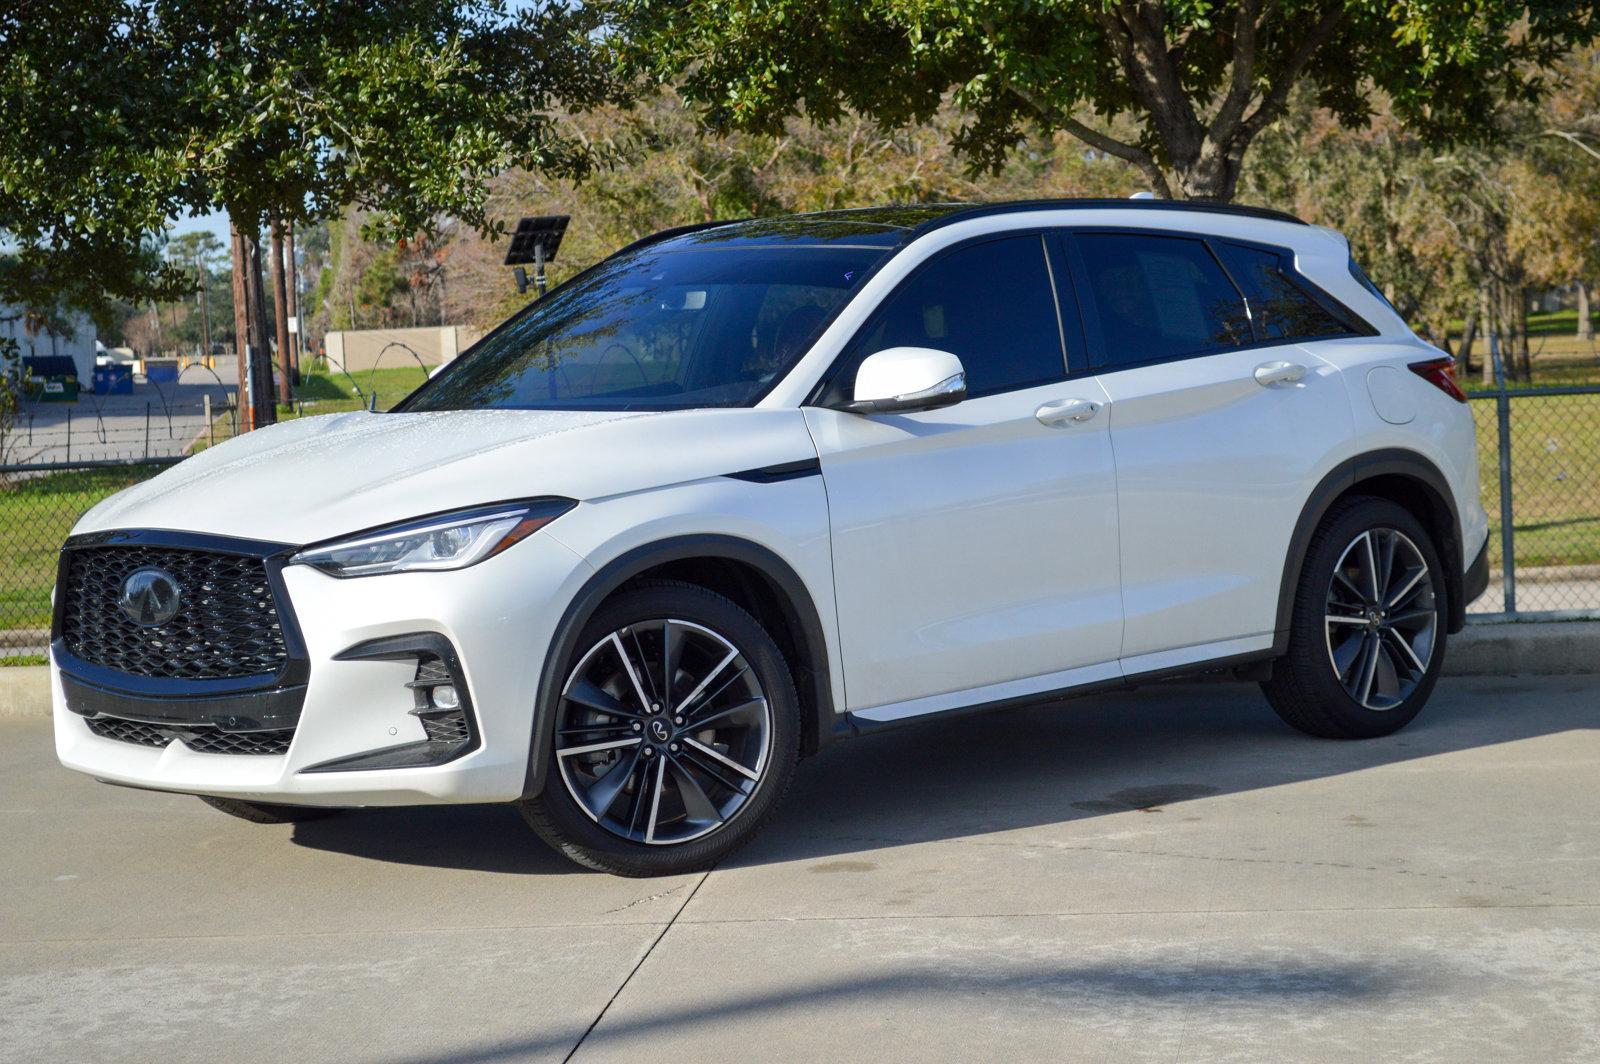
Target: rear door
[
  {"x": 1220, "y": 425},
  {"x": 974, "y": 546}
]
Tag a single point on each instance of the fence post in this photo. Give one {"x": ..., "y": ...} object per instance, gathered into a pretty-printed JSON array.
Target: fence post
[
  {"x": 69, "y": 434},
  {"x": 211, "y": 426},
  {"x": 1502, "y": 410},
  {"x": 147, "y": 428}
]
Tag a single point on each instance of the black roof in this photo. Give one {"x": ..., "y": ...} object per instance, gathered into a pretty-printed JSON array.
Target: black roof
[{"x": 892, "y": 225}]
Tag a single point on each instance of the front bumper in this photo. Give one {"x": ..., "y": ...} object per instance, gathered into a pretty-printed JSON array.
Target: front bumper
[{"x": 355, "y": 732}]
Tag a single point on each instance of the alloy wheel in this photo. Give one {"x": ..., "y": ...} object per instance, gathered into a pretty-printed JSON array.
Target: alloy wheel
[
  {"x": 663, "y": 732},
  {"x": 1381, "y": 618}
]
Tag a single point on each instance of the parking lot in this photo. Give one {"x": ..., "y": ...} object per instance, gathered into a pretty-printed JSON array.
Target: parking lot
[{"x": 1168, "y": 874}]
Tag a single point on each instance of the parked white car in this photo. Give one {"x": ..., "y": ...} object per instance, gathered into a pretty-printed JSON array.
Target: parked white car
[{"x": 745, "y": 488}]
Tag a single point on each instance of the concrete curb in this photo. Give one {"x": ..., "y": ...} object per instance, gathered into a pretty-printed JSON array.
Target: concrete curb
[
  {"x": 24, "y": 691},
  {"x": 1530, "y": 648},
  {"x": 1552, "y": 648}
]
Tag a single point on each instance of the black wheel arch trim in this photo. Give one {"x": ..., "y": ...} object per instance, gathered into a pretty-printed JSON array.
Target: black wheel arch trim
[
  {"x": 1347, "y": 475},
  {"x": 625, "y": 567}
]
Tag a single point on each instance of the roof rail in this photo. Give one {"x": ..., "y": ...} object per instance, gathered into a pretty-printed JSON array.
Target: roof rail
[{"x": 979, "y": 210}]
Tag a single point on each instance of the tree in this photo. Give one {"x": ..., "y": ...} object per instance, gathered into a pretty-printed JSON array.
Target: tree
[
  {"x": 1200, "y": 80},
  {"x": 200, "y": 252},
  {"x": 129, "y": 112},
  {"x": 675, "y": 175}
]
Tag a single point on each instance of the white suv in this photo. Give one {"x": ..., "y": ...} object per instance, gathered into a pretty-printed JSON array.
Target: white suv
[{"x": 745, "y": 488}]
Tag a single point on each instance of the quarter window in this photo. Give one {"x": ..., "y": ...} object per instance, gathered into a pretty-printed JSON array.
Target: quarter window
[
  {"x": 1279, "y": 308},
  {"x": 989, "y": 304},
  {"x": 1156, "y": 298}
]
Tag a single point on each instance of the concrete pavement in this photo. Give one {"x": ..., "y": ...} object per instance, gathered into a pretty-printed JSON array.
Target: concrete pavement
[{"x": 1168, "y": 874}]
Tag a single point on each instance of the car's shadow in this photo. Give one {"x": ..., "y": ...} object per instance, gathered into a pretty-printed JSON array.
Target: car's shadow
[{"x": 994, "y": 772}]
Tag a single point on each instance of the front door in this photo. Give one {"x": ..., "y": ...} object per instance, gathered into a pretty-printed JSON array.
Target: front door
[{"x": 975, "y": 546}]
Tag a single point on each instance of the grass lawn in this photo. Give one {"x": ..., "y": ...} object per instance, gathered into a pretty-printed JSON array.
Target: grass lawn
[
  {"x": 35, "y": 516},
  {"x": 1555, "y": 473},
  {"x": 325, "y": 390},
  {"x": 1559, "y": 359}
]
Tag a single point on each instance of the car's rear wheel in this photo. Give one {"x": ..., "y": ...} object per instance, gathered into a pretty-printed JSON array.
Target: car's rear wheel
[
  {"x": 1367, "y": 634},
  {"x": 675, "y": 735},
  {"x": 267, "y": 812}
]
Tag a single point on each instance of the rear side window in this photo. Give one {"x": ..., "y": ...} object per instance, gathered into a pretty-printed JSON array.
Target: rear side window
[
  {"x": 989, "y": 304},
  {"x": 1279, "y": 308},
  {"x": 1156, "y": 298}
]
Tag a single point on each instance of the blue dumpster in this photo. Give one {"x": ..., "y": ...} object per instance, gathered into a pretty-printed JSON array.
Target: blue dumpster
[
  {"x": 164, "y": 371},
  {"x": 115, "y": 379}
]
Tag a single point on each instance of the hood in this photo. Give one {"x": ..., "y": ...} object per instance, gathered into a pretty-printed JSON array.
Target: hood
[{"x": 315, "y": 478}]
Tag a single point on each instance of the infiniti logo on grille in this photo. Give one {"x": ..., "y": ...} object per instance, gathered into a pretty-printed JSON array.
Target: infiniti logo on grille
[{"x": 150, "y": 596}]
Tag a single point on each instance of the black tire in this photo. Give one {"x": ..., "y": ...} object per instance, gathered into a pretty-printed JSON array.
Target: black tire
[
  {"x": 1307, "y": 688},
  {"x": 645, "y": 608},
  {"x": 267, "y": 812}
]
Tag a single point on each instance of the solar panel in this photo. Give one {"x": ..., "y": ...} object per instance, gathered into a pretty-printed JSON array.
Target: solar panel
[{"x": 544, "y": 231}]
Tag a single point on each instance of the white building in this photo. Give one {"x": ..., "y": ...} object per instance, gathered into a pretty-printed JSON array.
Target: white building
[{"x": 80, "y": 346}]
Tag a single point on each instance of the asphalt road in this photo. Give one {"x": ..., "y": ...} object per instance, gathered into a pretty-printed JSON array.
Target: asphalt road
[
  {"x": 1163, "y": 875},
  {"x": 156, "y": 420}
]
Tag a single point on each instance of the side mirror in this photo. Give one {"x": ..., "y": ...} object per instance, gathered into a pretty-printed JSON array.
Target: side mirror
[{"x": 900, "y": 379}]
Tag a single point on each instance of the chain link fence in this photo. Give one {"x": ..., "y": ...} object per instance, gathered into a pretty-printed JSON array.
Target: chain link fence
[
  {"x": 39, "y": 504},
  {"x": 1546, "y": 440},
  {"x": 1539, "y": 461}
]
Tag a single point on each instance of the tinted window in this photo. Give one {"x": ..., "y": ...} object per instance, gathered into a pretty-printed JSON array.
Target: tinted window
[
  {"x": 658, "y": 330},
  {"x": 1152, "y": 298},
  {"x": 989, "y": 304},
  {"x": 1279, "y": 308}
]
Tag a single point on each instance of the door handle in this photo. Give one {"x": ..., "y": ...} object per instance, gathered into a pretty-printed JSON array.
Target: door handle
[
  {"x": 1270, "y": 373},
  {"x": 1062, "y": 411}
]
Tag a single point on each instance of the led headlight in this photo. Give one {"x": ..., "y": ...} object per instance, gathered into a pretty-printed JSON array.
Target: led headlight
[{"x": 431, "y": 544}]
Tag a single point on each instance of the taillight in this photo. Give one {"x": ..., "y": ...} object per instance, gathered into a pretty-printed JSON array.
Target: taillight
[{"x": 1441, "y": 373}]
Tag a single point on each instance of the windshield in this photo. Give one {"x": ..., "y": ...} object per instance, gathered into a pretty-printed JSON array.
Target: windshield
[{"x": 658, "y": 329}]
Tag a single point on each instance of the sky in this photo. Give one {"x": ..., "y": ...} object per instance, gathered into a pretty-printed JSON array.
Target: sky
[{"x": 215, "y": 222}]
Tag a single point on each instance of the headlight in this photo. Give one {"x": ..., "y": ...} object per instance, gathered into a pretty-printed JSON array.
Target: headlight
[{"x": 431, "y": 544}]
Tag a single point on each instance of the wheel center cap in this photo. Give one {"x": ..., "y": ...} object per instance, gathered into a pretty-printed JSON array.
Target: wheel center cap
[{"x": 659, "y": 731}]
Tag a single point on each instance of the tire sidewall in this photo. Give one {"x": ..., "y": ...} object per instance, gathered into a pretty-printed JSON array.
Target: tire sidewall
[
  {"x": 1308, "y": 635},
  {"x": 556, "y": 815}
]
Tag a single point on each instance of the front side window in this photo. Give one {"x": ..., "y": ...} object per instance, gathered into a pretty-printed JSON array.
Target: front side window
[
  {"x": 1156, "y": 298},
  {"x": 989, "y": 304},
  {"x": 658, "y": 329},
  {"x": 1279, "y": 308}
]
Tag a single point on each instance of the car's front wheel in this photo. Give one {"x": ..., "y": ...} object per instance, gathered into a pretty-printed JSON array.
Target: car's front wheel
[
  {"x": 1367, "y": 634},
  {"x": 675, "y": 735}
]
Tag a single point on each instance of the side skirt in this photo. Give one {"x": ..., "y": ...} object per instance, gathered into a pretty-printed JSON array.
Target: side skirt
[{"x": 1251, "y": 664}]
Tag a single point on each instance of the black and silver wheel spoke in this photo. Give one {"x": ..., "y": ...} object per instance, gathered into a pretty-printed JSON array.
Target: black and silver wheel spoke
[
  {"x": 668, "y": 713},
  {"x": 1380, "y": 618}
]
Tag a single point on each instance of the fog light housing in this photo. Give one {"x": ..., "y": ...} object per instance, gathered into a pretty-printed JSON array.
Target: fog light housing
[{"x": 439, "y": 698}]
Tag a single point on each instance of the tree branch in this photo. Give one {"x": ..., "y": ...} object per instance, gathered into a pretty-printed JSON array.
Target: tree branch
[
  {"x": 1273, "y": 102},
  {"x": 1130, "y": 153},
  {"x": 1226, "y": 122},
  {"x": 1571, "y": 138}
]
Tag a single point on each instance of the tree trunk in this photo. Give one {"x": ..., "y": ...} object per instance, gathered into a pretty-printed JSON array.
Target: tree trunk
[
  {"x": 241, "y": 331},
  {"x": 280, "y": 316},
  {"x": 264, "y": 409},
  {"x": 1585, "y": 323},
  {"x": 292, "y": 269},
  {"x": 1469, "y": 334},
  {"x": 1486, "y": 315}
]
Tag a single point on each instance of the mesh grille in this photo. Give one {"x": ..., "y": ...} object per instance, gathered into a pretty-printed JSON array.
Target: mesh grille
[
  {"x": 129, "y": 731},
  {"x": 204, "y": 740},
  {"x": 446, "y": 727},
  {"x": 226, "y": 626}
]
